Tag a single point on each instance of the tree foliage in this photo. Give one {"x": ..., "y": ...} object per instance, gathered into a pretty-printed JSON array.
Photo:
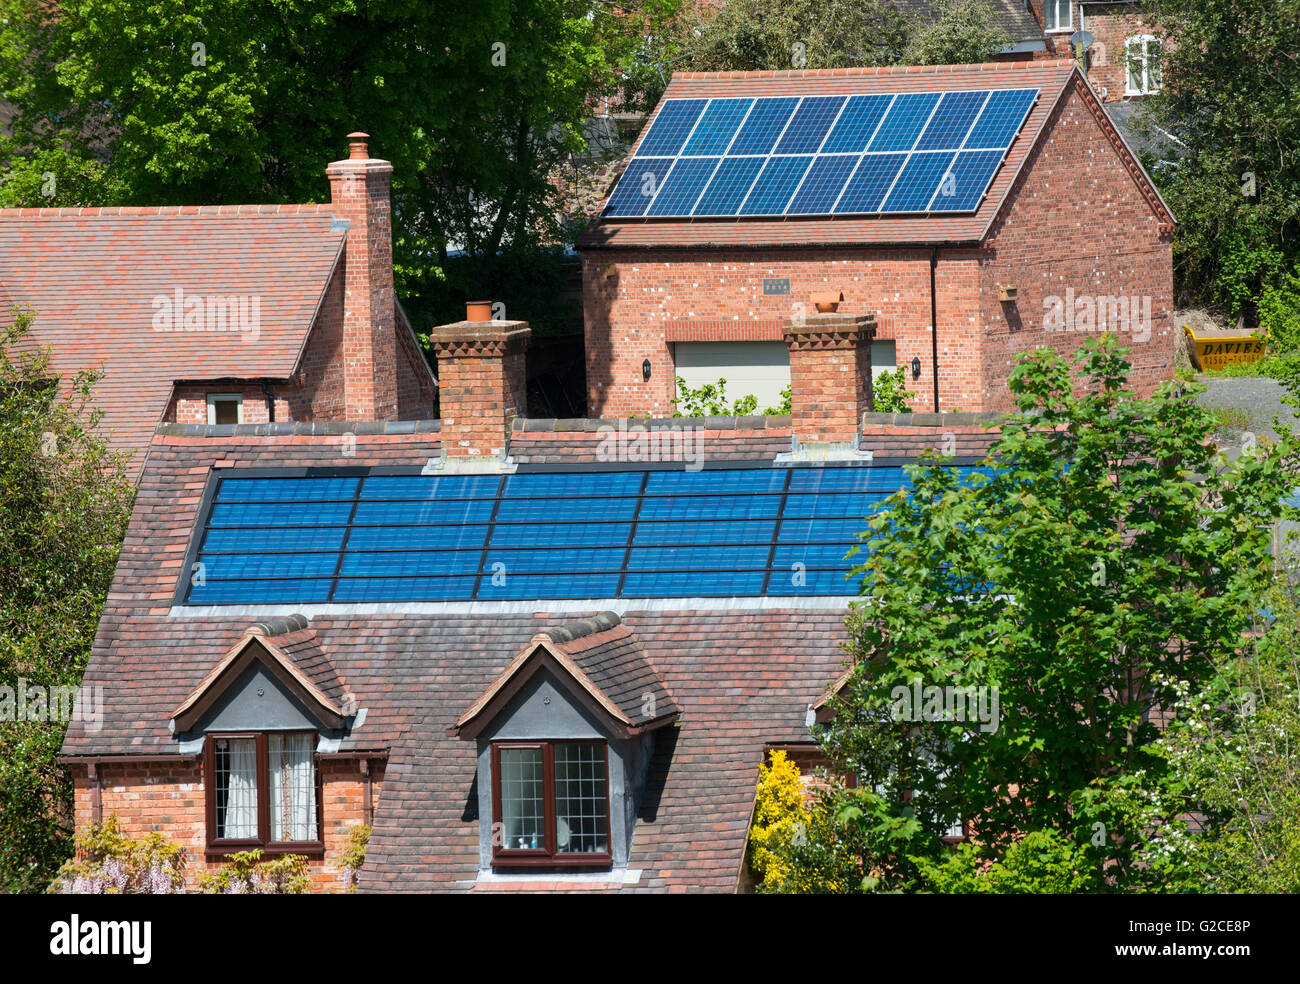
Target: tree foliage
[
  {"x": 767, "y": 35},
  {"x": 64, "y": 504},
  {"x": 1231, "y": 95},
  {"x": 1103, "y": 565}
]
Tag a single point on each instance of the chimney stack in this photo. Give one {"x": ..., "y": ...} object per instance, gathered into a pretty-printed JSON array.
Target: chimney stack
[
  {"x": 481, "y": 383},
  {"x": 360, "y": 191},
  {"x": 830, "y": 375}
]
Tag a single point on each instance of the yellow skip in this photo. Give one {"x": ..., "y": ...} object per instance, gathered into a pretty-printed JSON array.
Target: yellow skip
[{"x": 1222, "y": 348}]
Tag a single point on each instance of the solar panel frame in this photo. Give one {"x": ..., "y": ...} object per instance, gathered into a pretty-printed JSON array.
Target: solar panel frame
[
  {"x": 764, "y": 137},
  {"x": 678, "y": 541}
]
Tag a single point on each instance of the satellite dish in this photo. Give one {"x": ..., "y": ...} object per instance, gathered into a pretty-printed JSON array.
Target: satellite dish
[{"x": 1081, "y": 40}]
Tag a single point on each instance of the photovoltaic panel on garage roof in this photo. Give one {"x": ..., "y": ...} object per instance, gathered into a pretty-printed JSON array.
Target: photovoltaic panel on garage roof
[
  {"x": 908, "y": 152},
  {"x": 361, "y": 536}
]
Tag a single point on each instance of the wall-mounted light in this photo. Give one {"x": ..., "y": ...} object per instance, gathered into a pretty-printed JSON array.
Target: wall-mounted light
[
  {"x": 916, "y": 368},
  {"x": 645, "y": 370}
]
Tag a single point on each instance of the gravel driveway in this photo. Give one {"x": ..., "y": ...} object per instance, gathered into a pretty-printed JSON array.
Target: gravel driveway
[{"x": 1260, "y": 398}]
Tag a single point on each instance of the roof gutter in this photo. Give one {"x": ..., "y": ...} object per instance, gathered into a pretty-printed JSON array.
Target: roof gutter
[{"x": 792, "y": 247}]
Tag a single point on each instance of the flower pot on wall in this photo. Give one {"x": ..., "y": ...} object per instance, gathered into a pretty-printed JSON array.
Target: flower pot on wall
[{"x": 827, "y": 301}]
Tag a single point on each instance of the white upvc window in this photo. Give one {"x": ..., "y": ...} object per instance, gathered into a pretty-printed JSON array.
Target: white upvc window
[
  {"x": 1056, "y": 15},
  {"x": 1142, "y": 60},
  {"x": 225, "y": 408}
]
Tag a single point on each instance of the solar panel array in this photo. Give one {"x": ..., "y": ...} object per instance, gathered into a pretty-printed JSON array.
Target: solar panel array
[
  {"x": 741, "y": 532},
  {"x": 909, "y": 152}
]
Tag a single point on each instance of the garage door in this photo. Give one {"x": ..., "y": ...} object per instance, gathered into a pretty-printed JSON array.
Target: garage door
[
  {"x": 760, "y": 368},
  {"x": 882, "y": 356}
]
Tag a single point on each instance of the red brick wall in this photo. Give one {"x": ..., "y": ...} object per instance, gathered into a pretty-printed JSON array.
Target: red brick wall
[
  {"x": 630, "y": 314},
  {"x": 1076, "y": 220},
  {"x": 169, "y": 799},
  {"x": 1058, "y": 43},
  {"x": 481, "y": 375},
  {"x": 190, "y": 403},
  {"x": 321, "y": 395},
  {"x": 360, "y": 192},
  {"x": 1112, "y": 25}
]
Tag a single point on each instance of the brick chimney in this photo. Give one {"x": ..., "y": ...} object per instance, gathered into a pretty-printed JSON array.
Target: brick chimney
[
  {"x": 480, "y": 384},
  {"x": 360, "y": 192},
  {"x": 830, "y": 375}
]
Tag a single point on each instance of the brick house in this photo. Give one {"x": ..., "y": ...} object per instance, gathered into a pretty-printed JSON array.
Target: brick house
[
  {"x": 224, "y": 314},
  {"x": 1122, "y": 63},
  {"x": 537, "y": 655},
  {"x": 1069, "y": 223}
]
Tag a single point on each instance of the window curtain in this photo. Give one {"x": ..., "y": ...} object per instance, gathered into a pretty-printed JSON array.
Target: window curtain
[
  {"x": 293, "y": 787},
  {"x": 241, "y": 790}
]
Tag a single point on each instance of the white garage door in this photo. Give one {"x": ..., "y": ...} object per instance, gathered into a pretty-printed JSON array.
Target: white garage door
[{"x": 760, "y": 368}]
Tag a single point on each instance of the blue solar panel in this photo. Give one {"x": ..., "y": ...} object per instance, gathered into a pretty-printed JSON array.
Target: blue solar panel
[
  {"x": 917, "y": 182},
  {"x": 970, "y": 175},
  {"x": 766, "y": 122},
  {"x": 809, "y": 124},
  {"x": 739, "y": 532},
  {"x": 684, "y": 186},
  {"x": 717, "y": 127},
  {"x": 771, "y": 192},
  {"x": 867, "y": 187},
  {"x": 951, "y": 122},
  {"x": 638, "y": 186},
  {"x": 905, "y": 120},
  {"x": 822, "y": 185},
  {"x": 856, "y": 125},
  {"x": 730, "y": 184},
  {"x": 671, "y": 127},
  {"x": 726, "y": 157},
  {"x": 1001, "y": 119}
]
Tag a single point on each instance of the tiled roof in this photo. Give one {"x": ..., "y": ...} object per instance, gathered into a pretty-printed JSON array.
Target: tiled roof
[
  {"x": 740, "y": 679},
  {"x": 91, "y": 276},
  {"x": 1050, "y": 76},
  {"x": 600, "y": 656},
  {"x": 293, "y": 646}
]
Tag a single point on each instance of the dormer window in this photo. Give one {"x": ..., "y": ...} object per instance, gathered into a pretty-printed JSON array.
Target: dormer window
[
  {"x": 550, "y": 803},
  {"x": 263, "y": 792},
  {"x": 564, "y": 737},
  {"x": 225, "y": 408}
]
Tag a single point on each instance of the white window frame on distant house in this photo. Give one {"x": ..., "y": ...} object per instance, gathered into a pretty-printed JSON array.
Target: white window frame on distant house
[
  {"x": 215, "y": 398},
  {"x": 1052, "y": 24},
  {"x": 1147, "y": 55}
]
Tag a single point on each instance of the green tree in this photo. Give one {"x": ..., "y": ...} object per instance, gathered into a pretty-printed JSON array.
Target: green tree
[
  {"x": 1230, "y": 95},
  {"x": 1102, "y": 565},
  {"x": 222, "y": 101},
  {"x": 964, "y": 31},
  {"x": 64, "y": 504},
  {"x": 750, "y": 35}
]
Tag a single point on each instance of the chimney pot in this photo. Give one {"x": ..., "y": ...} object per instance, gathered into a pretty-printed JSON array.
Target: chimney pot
[
  {"x": 358, "y": 149},
  {"x": 478, "y": 310}
]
